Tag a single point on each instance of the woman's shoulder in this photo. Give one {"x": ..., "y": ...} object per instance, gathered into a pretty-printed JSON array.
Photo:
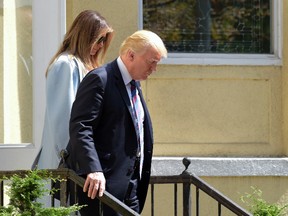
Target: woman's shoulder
[
  {"x": 65, "y": 58},
  {"x": 64, "y": 63}
]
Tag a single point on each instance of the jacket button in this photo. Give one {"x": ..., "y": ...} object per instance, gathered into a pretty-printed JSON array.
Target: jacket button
[{"x": 129, "y": 172}]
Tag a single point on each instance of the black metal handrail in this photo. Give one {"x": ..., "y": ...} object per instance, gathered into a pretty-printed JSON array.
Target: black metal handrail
[
  {"x": 66, "y": 174},
  {"x": 187, "y": 179}
]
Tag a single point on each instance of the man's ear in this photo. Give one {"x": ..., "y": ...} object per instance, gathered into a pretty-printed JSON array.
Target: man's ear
[{"x": 130, "y": 55}]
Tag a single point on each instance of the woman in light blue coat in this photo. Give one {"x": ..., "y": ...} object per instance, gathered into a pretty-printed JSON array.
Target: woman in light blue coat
[{"x": 83, "y": 49}]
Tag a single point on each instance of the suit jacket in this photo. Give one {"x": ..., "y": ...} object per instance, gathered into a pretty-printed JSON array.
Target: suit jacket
[{"x": 102, "y": 133}]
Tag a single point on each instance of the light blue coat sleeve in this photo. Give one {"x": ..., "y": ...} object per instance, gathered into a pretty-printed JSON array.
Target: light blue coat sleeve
[{"x": 61, "y": 86}]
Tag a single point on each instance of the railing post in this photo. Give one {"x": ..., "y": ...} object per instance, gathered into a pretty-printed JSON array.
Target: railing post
[
  {"x": 63, "y": 193},
  {"x": 186, "y": 190},
  {"x": 2, "y": 193}
]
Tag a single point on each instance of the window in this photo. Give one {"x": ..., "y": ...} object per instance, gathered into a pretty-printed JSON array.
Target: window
[
  {"x": 16, "y": 67},
  {"x": 22, "y": 89},
  {"x": 223, "y": 27}
]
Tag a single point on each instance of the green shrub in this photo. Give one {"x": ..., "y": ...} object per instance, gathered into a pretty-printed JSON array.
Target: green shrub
[
  {"x": 24, "y": 193},
  {"x": 259, "y": 207}
]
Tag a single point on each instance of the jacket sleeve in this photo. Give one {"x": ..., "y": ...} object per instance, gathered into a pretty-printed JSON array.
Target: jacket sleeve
[
  {"x": 85, "y": 115},
  {"x": 61, "y": 86}
]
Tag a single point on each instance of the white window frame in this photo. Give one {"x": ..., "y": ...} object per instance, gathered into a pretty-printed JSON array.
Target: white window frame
[
  {"x": 49, "y": 26},
  {"x": 232, "y": 59}
]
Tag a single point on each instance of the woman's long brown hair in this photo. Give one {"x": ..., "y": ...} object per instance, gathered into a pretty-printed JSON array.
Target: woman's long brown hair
[{"x": 83, "y": 33}]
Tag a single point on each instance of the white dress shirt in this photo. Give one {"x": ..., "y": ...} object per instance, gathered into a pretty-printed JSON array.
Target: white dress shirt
[{"x": 127, "y": 79}]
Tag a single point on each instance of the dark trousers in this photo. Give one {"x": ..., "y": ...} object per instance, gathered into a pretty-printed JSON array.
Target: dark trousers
[
  {"x": 93, "y": 205},
  {"x": 131, "y": 198}
]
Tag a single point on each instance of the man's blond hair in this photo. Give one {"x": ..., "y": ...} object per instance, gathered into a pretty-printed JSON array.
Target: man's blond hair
[{"x": 139, "y": 41}]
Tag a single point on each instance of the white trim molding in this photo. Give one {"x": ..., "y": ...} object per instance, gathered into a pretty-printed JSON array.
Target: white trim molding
[{"x": 48, "y": 30}]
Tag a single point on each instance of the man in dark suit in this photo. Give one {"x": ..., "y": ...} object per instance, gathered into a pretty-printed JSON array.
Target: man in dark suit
[{"x": 111, "y": 138}]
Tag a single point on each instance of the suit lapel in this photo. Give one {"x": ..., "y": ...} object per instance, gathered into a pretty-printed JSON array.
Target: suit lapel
[
  {"x": 123, "y": 92},
  {"x": 122, "y": 88}
]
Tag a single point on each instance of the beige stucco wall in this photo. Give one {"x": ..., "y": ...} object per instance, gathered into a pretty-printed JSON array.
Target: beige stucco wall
[
  {"x": 285, "y": 78},
  {"x": 1, "y": 81},
  {"x": 207, "y": 110},
  {"x": 216, "y": 111}
]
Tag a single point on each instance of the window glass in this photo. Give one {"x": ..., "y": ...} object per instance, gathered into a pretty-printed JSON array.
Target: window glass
[
  {"x": 211, "y": 26},
  {"x": 16, "y": 68}
]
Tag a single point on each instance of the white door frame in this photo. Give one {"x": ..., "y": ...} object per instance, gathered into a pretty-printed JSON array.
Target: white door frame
[{"x": 49, "y": 26}]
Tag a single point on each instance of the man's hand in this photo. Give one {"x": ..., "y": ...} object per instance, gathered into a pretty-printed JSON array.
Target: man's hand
[{"x": 95, "y": 184}]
